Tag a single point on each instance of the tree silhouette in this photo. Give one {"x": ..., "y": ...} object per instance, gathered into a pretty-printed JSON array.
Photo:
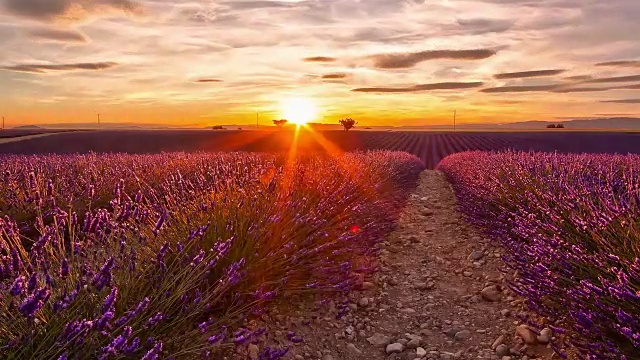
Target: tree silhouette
[
  {"x": 560, "y": 126},
  {"x": 551, "y": 126},
  {"x": 348, "y": 123},
  {"x": 280, "y": 123}
]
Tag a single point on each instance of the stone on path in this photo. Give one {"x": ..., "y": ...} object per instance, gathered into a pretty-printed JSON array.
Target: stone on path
[
  {"x": 378, "y": 339},
  {"x": 526, "y": 334},
  {"x": 491, "y": 293},
  {"x": 394, "y": 348}
]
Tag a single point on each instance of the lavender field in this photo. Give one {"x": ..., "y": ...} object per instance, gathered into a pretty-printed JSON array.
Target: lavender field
[
  {"x": 569, "y": 224},
  {"x": 167, "y": 256},
  {"x": 430, "y": 147}
]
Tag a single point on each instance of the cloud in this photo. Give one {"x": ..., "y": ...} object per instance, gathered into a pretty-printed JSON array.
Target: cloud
[
  {"x": 630, "y": 87},
  {"x": 579, "y": 77},
  {"x": 208, "y": 80},
  {"x": 623, "y": 101},
  {"x": 319, "y": 59},
  {"x": 484, "y": 26},
  {"x": 41, "y": 69},
  {"x": 621, "y": 63},
  {"x": 528, "y": 74},
  {"x": 335, "y": 76},
  {"x": 46, "y": 10},
  {"x": 259, "y": 4},
  {"x": 422, "y": 87},
  {"x": 565, "y": 90},
  {"x": 411, "y": 59},
  {"x": 523, "y": 88},
  {"x": 615, "y": 79},
  {"x": 556, "y": 88},
  {"x": 66, "y": 36}
]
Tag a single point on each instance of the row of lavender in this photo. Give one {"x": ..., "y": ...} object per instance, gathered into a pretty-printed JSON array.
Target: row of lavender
[
  {"x": 571, "y": 225},
  {"x": 169, "y": 255}
]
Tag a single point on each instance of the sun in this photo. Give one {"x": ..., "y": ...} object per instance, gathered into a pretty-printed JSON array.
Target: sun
[{"x": 299, "y": 110}]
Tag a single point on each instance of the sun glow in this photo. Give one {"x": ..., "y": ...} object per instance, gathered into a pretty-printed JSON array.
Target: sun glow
[{"x": 299, "y": 110}]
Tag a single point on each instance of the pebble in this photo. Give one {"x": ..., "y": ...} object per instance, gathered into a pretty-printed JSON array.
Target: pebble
[
  {"x": 394, "y": 348},
  {"x": 491, "y": 293},
  {"x": 364, "y": 302},
  {"x": 327, "y": 357},
  {"x": 420, "y": 352},
  {"x": 498, "y": 341},
  {"x": 526, "y": 334},
  {"x": 353, "y": 349},
  {"x": 502, "y": 350},
  {"x": 413, "y": 344},
  {"x": 378, "y": 339},
  {"x": 476, "y": 255},
  {"x": 505, "y": 312},
  {"x": 545, "y": 336},
  {"x": 462, "y": 335}
]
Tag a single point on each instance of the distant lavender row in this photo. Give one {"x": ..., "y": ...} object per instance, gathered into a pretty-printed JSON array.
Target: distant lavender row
[
  {"x": 168, "y": 255},
  {"x": 430, "y": 147},
  {"x": 571, "y": 225}
]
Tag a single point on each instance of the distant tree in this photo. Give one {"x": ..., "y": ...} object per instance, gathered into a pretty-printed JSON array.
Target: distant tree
[
  {"x": 239, "y": 128},
  {"x": 560, "y": 126},
  {"x": 280, "y": 123},
  {"x": 551, "y": 126},
  {"x": 217, "y": 127},
  {"x": 348, "y": 123}
]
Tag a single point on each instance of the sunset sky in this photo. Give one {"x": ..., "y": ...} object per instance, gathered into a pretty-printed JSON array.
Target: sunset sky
[{"x": 383, "y": 62}]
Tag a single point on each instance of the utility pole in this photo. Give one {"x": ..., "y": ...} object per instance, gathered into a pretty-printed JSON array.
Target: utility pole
[
  {"x": 98, "y": 121},
  {"x": 454, "y": 120}
]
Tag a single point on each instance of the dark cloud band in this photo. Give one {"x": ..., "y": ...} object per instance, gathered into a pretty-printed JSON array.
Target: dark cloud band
[
  {"x": 529, "y": 74},
  {"x": 422, "y": 87},
  {"x": 41, "y": 69},
  {"x": 408, "y": 60}
]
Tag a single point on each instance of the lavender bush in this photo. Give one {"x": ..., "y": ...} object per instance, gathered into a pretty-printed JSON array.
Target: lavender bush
[
  {"x": 571, "y": 225},
  {"x": 167, "y": 256}
]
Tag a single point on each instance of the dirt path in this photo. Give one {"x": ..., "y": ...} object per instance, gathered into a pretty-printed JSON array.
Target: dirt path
[{"x": 438, "y": 295}]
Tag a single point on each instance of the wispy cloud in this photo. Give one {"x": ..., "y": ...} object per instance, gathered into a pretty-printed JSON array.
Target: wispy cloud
[
  {"x": 579, "y": 77},
  {"x": 44, "y": 68},
  {"x": 335, "y": 76},
  {"x": 68, "y": 9},
  {"x": 528, "y": 74},
  {"x": 208, "y": 80},
  {"x": 518, "y": 89},
  {"x": 621, "y": 63},
  {"x": 421, "y": 87},
  {"x": 56, "y": 35},
  {"x": 628, "y": 78},
  {"x": 411, "y": 59},
  {"x": 321, "y": 59},
  {"x": 623, "y": 101}
]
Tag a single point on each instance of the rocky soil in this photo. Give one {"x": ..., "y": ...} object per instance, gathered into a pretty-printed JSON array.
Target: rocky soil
[{"x": 438, "y": 294}]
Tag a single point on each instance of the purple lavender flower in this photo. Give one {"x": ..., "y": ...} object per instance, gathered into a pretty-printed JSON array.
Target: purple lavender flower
[
  {"x": 110, "y": 300},
  {"x": 64, "y": 268},
  {"x": 16, "y": 288},
  {"x": 154, "y": 352},
  {"x": 103, "y": 277}
]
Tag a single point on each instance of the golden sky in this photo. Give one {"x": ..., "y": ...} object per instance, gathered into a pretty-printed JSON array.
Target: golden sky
[{"x": 382, "y": 62}]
